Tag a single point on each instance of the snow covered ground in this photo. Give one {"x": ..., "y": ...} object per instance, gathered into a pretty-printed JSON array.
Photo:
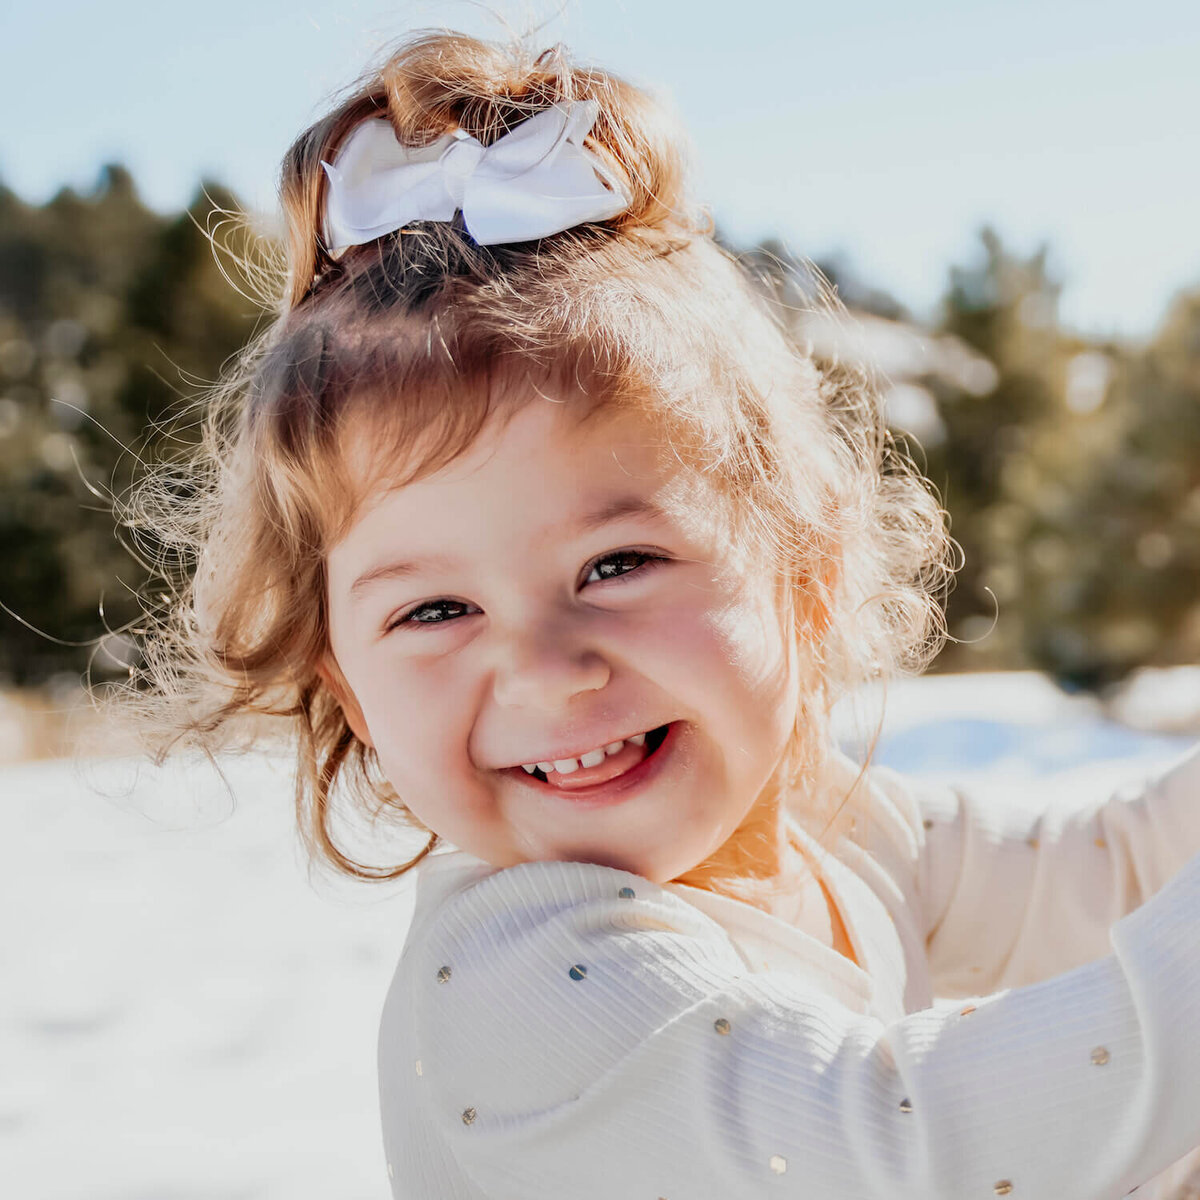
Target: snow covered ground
[{"x": 183, "y": 1016}]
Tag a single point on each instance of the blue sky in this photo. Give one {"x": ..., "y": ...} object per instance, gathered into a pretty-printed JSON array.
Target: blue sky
[{"x": 888, "y": 132}]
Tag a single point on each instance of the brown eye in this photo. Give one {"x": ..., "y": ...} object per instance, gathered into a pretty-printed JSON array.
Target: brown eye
[
  {"x": 621, "y": 562},
  {"x": 433, "y": 612}
]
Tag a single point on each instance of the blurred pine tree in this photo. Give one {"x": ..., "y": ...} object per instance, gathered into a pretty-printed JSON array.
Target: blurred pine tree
[
  {"x": 1071, "y": 470},
  {"x": 109, "y": 316}
]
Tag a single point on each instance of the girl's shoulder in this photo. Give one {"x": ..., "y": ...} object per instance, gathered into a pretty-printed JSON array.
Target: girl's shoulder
[
  {"x": 581, "y": 912},
  {"x": 442, "y": 875},
  {"x": 874, "y": 817}
]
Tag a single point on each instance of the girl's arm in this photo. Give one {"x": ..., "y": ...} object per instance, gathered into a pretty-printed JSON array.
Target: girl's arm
[
  {"x": 1016, "y": 887},
  {"x": 581, "y": 1043}
]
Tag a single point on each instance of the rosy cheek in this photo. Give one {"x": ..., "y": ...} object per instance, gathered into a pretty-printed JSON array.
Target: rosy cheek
[{"x": 733, "y": 634}]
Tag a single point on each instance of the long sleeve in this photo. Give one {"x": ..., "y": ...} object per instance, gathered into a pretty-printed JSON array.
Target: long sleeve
[
  {"x": 1017, "y": 886},
  {"x": 582, "y": 1032}
]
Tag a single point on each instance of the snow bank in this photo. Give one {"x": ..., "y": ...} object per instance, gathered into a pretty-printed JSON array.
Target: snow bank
[{"x": 186, "y": 1017}]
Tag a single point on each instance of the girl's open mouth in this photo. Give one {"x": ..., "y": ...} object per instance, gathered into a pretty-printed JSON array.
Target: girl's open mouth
[{"x": 632, "y": 763}]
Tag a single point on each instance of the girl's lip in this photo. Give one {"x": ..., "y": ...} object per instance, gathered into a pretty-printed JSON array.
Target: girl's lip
[{"x": 612, "y": 791}]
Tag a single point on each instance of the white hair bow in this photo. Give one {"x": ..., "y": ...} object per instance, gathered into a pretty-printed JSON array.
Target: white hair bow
[{"x": 536, "y": 180}]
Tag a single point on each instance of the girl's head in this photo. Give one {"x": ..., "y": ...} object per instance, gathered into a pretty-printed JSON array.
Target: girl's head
[{"x": 472, "y": 508}]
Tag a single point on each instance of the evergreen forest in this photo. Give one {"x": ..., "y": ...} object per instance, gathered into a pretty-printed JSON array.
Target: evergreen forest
[{"x": 1070, "y": 468}]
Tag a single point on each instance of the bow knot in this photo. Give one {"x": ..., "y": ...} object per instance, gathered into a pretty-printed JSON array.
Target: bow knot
[
  {"x": 535, "y": 180},
  {"x": 458, "y": 162}
]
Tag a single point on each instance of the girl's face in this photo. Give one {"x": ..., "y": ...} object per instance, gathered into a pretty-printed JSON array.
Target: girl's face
[{"x": 560, "y": 595}]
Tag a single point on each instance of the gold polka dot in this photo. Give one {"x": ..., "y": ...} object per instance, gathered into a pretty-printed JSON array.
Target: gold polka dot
[
  {"x": 976, "y": 970},
  {"x": 1002, "y": 1187},
  {"x": 721, "y": 1025},
  {"x": 443, "y": 974},
  {"x": 928, "y": 823},
  {"x": 627, "y": 893},
  {"x": 1032, "y": 842},
  {"x": 468, "y": 1117},
  {"x": 419, "y": 1071},
  {"x": 906, "y": 1105},
  {"x": 1101, "y": 843},
  {"x": 1100, "y": 1055},
  {"x": 578, "y": 971},
  {"x": 778, "y": 1164},
  {"x": 967, "y": 1011}
]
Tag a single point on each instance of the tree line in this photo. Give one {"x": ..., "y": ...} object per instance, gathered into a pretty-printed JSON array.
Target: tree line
[{"x": 1070, "y": 468}]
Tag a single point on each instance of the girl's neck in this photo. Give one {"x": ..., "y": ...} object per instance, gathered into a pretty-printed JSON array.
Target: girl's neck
[
  {"x": 765, "y": 865},
  {"x": 760, "y": 864}
]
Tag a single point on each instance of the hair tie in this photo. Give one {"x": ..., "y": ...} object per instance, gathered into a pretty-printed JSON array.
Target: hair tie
[{"x": 535, "y": 180}]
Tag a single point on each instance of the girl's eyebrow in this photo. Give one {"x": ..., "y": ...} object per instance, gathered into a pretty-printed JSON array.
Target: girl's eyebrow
[
  {"x": 398, "y": 570},
  {"x": 616, "y": 508}
]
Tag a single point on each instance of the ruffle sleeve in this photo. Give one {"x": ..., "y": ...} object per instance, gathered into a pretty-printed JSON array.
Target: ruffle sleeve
[{"x": 1017, "y": 885}]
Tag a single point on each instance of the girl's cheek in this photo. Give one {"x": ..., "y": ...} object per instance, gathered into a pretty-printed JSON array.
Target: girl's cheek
[
  {"x": 422, "y": 709},
  {"x": 721, "y": 628}
]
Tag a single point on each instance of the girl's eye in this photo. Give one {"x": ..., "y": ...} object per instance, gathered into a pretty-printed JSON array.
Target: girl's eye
[
  {"x": 433, "y": 612},
  {"x": 609, "y": 566},
  {"x": 621, "y": 562}
]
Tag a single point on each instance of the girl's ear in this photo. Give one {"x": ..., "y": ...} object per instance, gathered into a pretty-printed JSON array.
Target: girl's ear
[{"x": 331, "y": 675}]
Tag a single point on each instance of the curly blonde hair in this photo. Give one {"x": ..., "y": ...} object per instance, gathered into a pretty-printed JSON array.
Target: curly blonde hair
[{"x": 422, "y": 332}]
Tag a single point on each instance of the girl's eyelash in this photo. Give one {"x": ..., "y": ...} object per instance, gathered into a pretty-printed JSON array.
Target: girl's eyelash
[
  {"x": 411, "y": 618},
  {"x": 648, "y": 560}
]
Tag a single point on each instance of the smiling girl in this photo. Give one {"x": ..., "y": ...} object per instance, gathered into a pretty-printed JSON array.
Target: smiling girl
[
  {"x": 584, "y": 682},
  {"x": 532, "y": 523}
]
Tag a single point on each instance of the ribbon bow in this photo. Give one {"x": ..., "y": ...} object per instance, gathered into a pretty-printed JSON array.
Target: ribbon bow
[{"x": 536, "y": 180}]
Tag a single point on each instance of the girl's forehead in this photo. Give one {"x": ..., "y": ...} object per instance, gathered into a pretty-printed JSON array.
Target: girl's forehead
[
  {"x": 549, "y": 453},
  {"x": 381, "y": 458}
]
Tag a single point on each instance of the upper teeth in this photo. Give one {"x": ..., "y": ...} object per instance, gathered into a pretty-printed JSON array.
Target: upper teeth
[{"x": 593, "y": 758}]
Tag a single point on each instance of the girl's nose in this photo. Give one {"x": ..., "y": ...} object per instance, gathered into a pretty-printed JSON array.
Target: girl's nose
[{"x": 545, "y": 669}]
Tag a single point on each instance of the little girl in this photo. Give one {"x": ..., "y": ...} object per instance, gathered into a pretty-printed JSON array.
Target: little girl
[{"x": 532, "y": 522}]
